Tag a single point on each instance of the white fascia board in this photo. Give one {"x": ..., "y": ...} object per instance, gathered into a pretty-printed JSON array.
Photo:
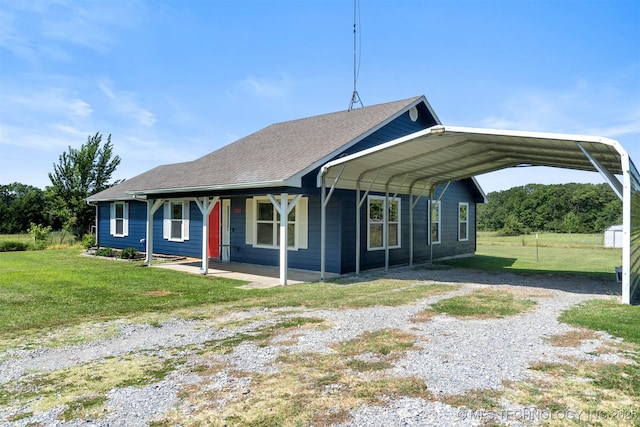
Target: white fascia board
[
  {"x": 531, "y": 134},
  {"x": 480, "y": 190},
  {"x": 353, "y": 142},
  {"x": 114, "y": 199},
  {"x": 211, "y": 188},
  {"x": 431, "y": 110}
]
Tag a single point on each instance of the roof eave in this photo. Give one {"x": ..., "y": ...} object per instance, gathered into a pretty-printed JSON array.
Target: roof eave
[{"x": 215, "y": 188}]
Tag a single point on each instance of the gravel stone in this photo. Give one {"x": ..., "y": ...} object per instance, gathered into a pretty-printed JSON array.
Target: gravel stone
[{"x": 453, "y": 356}]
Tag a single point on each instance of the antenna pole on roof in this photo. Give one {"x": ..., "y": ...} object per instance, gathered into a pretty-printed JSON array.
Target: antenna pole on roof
[{"x": 355, "y": 98}]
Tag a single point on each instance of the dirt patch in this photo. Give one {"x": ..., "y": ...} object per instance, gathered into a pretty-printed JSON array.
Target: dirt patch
[{"x": 158, "y": 293}]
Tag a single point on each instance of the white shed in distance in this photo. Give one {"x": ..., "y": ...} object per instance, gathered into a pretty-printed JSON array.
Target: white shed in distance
[{"x": 613, "y": 237}]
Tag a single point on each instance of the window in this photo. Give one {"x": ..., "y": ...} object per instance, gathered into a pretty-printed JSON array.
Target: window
[
  {"x": 463, "y": 221},
  {"x": 263, "y": 224},
  {"x": 176, "y": 221},
  {"x": 268, "y": 225},
  {"x": 435, "y": 221},
  {"x": 119, "y": 220},
  {"x": 376, "y": 213}
]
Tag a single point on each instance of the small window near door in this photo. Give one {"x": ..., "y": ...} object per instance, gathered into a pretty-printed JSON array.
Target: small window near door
[
  {"x": 119, "y": 221},
  {"x": 463, "y": 221},
  {"x": 176, "y": 221}
]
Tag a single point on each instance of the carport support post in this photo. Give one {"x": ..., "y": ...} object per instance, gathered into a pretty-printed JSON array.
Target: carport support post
[
  {"x": 152, "y": 207},
  {"x": 323, "y": 229},
  {"x": 385, "y": 229}
]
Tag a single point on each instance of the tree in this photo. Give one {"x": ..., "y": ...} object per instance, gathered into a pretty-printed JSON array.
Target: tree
[
  {"x": 79, "y": 174},
  {"x": 569, "y": 208},
  {"x": 20, "y": 205}
]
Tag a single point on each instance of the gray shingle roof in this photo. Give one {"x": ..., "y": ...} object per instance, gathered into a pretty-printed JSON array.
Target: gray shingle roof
[{"x": 279, "y": 154}]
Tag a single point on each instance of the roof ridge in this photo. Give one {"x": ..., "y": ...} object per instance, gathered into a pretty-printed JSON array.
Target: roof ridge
[{"x": 369, "y": 107}]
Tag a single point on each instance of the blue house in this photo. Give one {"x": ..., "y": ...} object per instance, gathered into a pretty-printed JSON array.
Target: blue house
[{"x": 277, "y": 197}]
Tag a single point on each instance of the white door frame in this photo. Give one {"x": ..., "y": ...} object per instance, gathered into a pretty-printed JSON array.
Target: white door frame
[{"x": 225, "y": 232}]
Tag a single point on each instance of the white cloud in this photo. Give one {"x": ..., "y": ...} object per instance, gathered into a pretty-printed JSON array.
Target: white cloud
[
  {"x": 267, "y": 87},
  {"x": 586, "y": 108},
  {"x": 50, "y": 100},
  {"x": 44, "y": 138},
  {"x": 34, "y": 29},
  {"x": 125, "y": 104}
]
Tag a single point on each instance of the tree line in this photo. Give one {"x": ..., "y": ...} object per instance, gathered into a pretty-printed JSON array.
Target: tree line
[
  {"x": 78, "y": 174},
  {"x": 560, "y": 208}
]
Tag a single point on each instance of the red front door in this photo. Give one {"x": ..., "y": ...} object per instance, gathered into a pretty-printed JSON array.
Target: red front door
[{"x": 214, "y": 232}]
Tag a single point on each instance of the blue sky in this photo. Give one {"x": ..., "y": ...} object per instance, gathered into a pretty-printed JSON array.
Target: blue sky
[{"x": 174, "y": 80}]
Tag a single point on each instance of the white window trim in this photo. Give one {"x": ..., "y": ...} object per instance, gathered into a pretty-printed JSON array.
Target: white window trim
[
  {"x": 466, "y": 221},
  {"x": 113, "y": 219},
  {"x": 300, "y": 223},
  {"x": 438, "y": 207},
  {"x": 186, "y": 206},
  {"x": 385, "y": 233}
]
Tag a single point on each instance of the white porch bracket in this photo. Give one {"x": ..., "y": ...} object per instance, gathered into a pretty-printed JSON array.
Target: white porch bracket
[
  {"x": 205, "y": 205},
  {"x": 152, "y": 207},
  {"x": 284, "y": 208}
]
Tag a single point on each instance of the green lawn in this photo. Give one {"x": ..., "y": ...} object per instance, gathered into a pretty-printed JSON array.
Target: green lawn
[
  {"x": 544, "y": 239},
  {"x": 52, "y": 288},
  {"x": 617, "y": 319},
  {"x": 49, "y": 289},
  {"x": 55, "y": 238},
  {"x": 555, "y": 253}
]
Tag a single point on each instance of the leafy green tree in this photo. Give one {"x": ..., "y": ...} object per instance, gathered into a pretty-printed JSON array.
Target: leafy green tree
[
  {"x": 78, "y": 174},
  {"x": 568, "y": 208},
  {"x": 20, "y": 205}
]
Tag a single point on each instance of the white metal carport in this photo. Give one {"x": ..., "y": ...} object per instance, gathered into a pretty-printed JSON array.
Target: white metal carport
[{"x": 416, "y": 163}]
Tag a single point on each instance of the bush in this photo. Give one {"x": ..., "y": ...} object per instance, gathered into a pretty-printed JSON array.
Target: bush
[
  {"x": 13, "y": 245},
  {"x": 88, "y": 241},
  {"x": 39, "y": 232},
  {"x": 128, "y": 253},
  {"x": 108, "y": 252}
]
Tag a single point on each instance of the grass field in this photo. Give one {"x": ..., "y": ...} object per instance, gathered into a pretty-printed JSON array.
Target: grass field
[
  {"x": 567, "y": 254},
  {"x": 45, "y": 290},
  {"x": 50, "y": 298},
  {"x": 55, "y": 238},
  {"x": 41, "y": 290},
  {"x": 558, "y": 240}
]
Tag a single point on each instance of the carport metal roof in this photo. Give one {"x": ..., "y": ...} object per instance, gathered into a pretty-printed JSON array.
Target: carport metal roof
[{"x": 442, "y": 154}]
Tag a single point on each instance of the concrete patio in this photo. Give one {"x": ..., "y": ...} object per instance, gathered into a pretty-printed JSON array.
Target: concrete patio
[{"x": 257, "y": 276}]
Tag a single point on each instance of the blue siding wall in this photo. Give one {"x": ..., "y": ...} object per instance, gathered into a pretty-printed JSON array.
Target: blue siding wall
[
  {"x": 137, "y": 227},
  {"x": 399, "y": 127},
  {"x": 306, "y": 259},
  {"x": 449, "y": 246},
  {"x": 138, "y": 231},
  {"x": 188, "y": 248}
]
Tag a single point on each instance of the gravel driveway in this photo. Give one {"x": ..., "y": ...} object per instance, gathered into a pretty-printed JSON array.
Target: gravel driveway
[{"x": 453, "y": 356}]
